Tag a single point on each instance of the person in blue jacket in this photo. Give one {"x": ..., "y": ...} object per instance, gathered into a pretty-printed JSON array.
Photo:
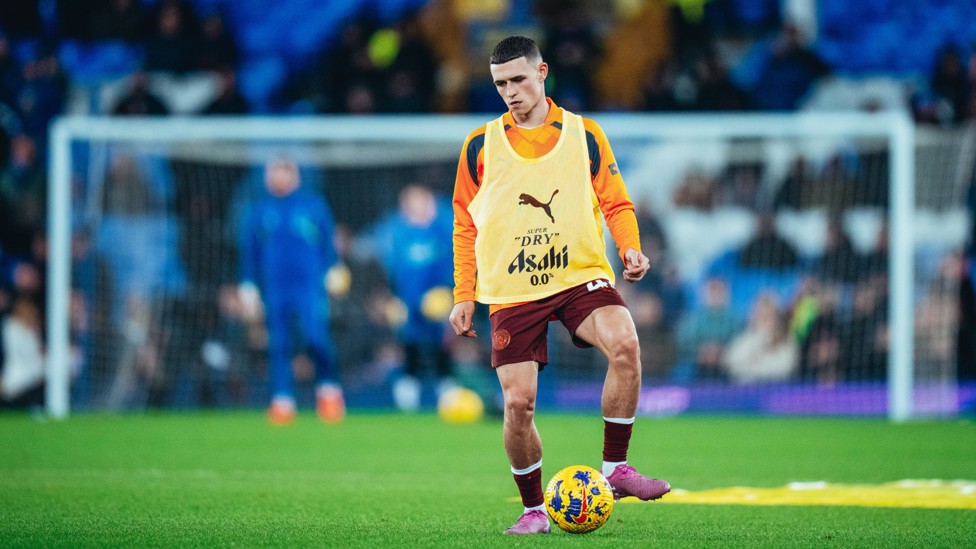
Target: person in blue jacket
[
  {"x": 286, "y": 251},
  {"x": 413, "y": 244}
]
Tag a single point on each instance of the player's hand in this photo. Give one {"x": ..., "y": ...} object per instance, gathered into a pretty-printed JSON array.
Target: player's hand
[
  {"x": 461, "y": 319},
  {"x": 635, "y": 265},
  {"x": 250, "y": 299}
]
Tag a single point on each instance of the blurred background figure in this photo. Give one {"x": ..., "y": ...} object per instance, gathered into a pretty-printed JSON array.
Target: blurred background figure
[
  {"x": 144, "y": 278},
  {"x": 704, "y": 335},
  {"x": 139, "y": 100},
  {"x": 287, "y": 249},
  {"x": 414, "y": 246},
  {"x": 21, "y": 357},
  {"x": 229, "y": 99},
  {"x": 765, "y": 352}
]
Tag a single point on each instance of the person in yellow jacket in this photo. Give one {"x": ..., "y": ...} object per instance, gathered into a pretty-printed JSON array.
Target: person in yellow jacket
[{"x": 532, "y": 191}]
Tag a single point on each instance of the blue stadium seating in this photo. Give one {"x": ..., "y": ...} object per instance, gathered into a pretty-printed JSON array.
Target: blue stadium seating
[
  {"x": 91, "y": 63},
  {"x": 892, "y": 36}
]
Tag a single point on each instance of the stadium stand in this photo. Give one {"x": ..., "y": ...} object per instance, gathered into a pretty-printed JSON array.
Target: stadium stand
[{"x": 183, "y": 57}]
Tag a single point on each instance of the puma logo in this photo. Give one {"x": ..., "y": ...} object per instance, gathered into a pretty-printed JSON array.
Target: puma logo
[{"x": 525, "y": 198}]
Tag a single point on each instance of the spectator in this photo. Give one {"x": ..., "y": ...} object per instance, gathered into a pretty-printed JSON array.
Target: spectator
[
  {"x": 658, "y": 90},
  {"x": 11, "y": 78},
  {"x": 286, "y": 248},
  {"x": 140, "y": 100},
  {"x": 937, "y": 317},
  {"x": 971, "y": 79},
  {"x": 22, "y": 378},
  {"x": 794, "y": 191},
  {"x": 171, "y": 46},
  {"x": 839, "y": 263},
  {"x": 864, "y": 336},
  {"x": 874, "y": 264},
  {"x": 950, "y": 87},
  {"x": 360, "y": 98},
  {"x": 411, "y": 77},
  {"x": 766, "y": 249},
  {"x": 659, "y": 349},
  {"x": 789, "y": 72},
  {"x": 696, "y": 190},
  {"x": 716, "y": 91},
  {"x": 662, "y": 278},
  {"x": 765, "y": 352},
  {"x": 23, "y": 190},
  {"x": 741, "y": 185},
  {"x": 19, "y": 277},
  {"x": 229, "y": 99},
  {"x": 966, "y": 334},
  {"x": 816, "y": 326},
  {"x": 571, "y": 48},
  {"x": 117, "y": 20},
  {"x": 836, "y": 188},
  {"x": 346, "y": 80},
  {"x": 42, "y": 94},
  {"x": 704, "y": 335},
  {"x": 414, "y": 246},
  {"x": 217, "y": 49}
]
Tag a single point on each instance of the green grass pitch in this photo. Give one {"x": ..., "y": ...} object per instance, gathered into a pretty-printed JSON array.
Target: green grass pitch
[{"x": 387, "y": 480}]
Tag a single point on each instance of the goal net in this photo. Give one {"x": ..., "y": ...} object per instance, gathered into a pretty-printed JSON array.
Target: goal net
[{"x": 801, "y": 264}]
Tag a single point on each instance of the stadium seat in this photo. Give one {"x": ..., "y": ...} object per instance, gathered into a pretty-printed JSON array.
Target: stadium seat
[
  {"x": 92, "y": 63},
  {"x": 260, "y": 78}
]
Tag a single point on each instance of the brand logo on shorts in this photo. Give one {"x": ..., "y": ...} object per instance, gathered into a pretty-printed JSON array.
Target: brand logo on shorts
[
  {"x": 500, "y": 339},
  {"x": 597, "y": 284}
]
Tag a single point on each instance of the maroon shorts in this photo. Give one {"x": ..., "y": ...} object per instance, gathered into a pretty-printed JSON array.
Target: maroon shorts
[{"x": 519, "y": 333}]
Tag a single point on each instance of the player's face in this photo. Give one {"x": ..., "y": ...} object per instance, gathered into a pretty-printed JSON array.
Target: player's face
[
  {"x": 521, "y": 83},
  {"x": 282, "y": 178}
]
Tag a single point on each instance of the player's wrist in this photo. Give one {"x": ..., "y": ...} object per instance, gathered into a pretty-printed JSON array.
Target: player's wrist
[{"x": 461, "y": 297}]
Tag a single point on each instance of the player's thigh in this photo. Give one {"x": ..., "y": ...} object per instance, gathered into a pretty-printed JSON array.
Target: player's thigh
[{"x": 607, "y": 327}]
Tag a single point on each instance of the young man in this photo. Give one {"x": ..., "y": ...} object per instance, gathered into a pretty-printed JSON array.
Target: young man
[
  {"x": 286, "y": 251},
  {"x": 414, "y": 247},
  {"x": 528, "y": 241}
]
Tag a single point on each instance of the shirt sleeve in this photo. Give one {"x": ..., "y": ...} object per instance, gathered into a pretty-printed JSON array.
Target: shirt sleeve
[
  {"x": 615, "y": 203},
  {"x": 465, "y": 188}
]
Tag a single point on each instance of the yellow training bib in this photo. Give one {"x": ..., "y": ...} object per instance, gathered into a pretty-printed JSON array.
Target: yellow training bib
[{"x": 540, "y": 229}]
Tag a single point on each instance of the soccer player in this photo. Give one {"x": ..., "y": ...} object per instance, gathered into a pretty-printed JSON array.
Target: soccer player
[
  {"x": 286, "y": 251},
  {"x": 530, "y": 190},
  {"x": 414, "y": 247}
]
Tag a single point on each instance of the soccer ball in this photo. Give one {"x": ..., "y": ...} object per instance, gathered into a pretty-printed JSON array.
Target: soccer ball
[
  {"x": 460, "y": 405},
  {"x": 579, "y": 499}
]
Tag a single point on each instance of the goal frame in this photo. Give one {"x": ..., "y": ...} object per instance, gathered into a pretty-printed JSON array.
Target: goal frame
[{"x": 896, "y": 127}]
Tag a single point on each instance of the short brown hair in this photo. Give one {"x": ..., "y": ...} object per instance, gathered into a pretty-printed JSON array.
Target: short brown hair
[{"x": 514, "y": 47}]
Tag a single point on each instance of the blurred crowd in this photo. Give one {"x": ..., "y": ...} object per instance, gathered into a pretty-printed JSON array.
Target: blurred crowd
[{"x": 763, "y": 312}]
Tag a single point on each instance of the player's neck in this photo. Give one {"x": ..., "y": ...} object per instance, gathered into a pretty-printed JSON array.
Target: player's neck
[{"x": 535, "y": 117}]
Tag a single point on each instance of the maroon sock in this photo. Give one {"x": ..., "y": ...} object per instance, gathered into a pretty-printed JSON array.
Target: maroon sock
[
  {"x": 616, "y": 440},
  {"x": 530, "y": 487}
]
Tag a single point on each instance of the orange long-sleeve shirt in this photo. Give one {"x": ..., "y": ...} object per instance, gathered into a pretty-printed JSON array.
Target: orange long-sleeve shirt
[{"x": 615, "y": 203}]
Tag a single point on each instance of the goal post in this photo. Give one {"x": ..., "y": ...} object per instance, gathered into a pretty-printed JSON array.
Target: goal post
[
  {"x": 895, "y": 127},
  {"x": 410, "y": 136}
]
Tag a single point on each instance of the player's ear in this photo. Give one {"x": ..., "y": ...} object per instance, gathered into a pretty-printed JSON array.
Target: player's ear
[{"x": 543, "y": 70}]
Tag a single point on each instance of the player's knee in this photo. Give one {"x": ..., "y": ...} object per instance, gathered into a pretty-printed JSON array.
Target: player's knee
[
  {"x": 626, "y": 351},
  {"x": 519, "y": 407}
]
